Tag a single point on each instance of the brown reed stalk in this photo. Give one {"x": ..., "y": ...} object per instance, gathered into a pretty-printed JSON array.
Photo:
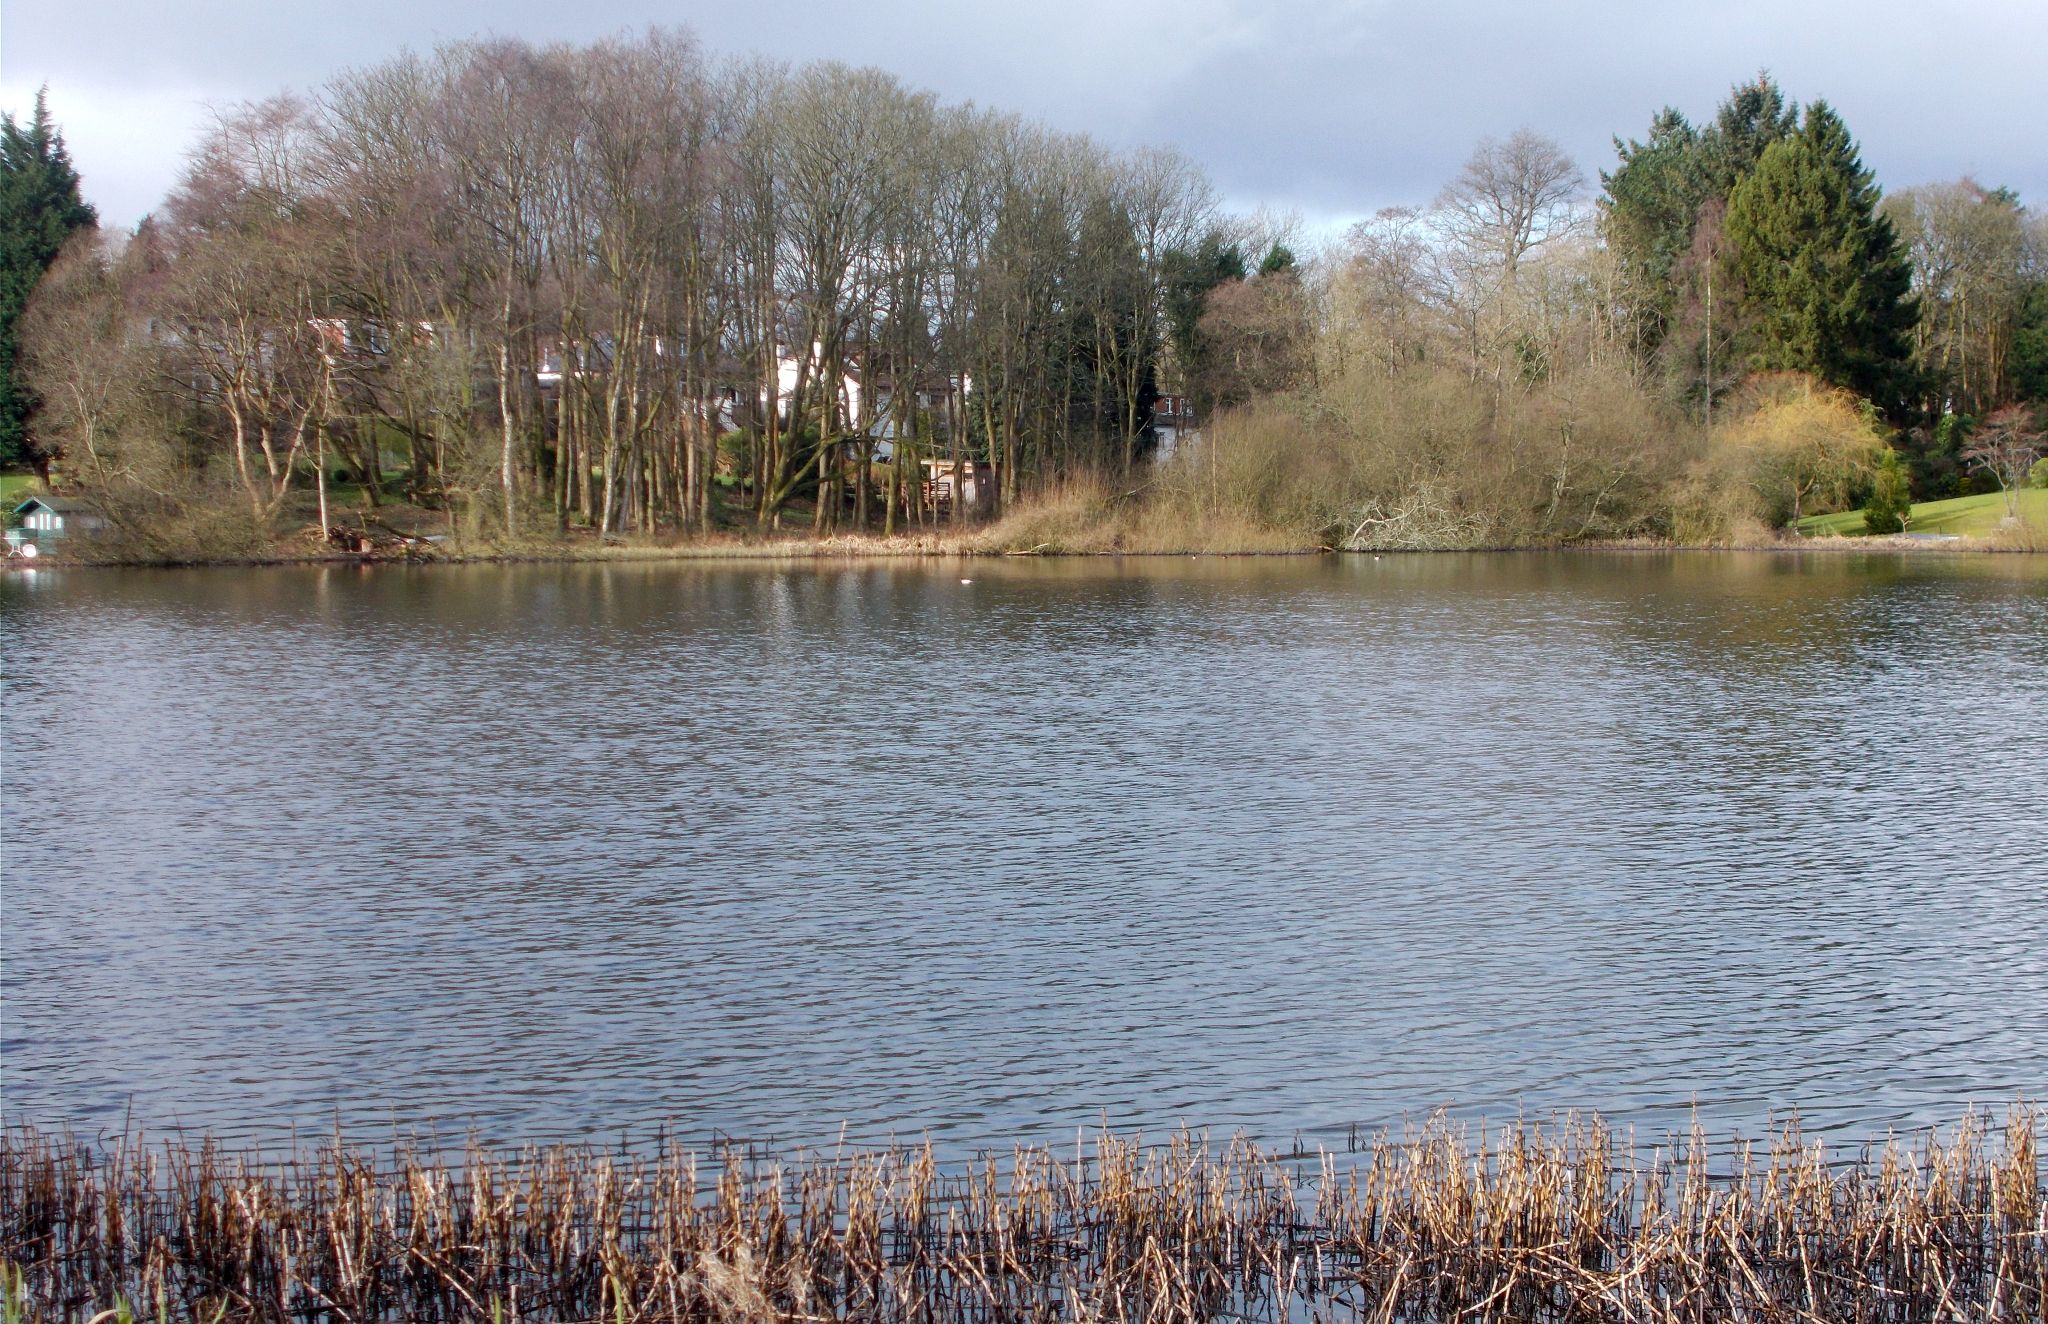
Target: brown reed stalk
[{"x": 1562, "y": 1224}]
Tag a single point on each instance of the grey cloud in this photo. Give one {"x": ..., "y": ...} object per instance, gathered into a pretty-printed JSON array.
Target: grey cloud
[{"x": 1332, "y": 109}]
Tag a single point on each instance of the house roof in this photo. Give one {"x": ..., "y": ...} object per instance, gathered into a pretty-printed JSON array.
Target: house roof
[{"x": 61, "y": 504}]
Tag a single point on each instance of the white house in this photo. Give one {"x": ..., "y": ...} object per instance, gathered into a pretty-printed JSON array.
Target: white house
[{"x": 1173, "y": 422}]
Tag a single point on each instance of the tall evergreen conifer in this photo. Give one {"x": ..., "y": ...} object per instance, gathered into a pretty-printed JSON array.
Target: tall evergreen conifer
[
  {"x": 1754, "y": 116},
  {"x": 1651, "y": 203},
  {"x": 40, "y": 208},
  {"x": 1826, "y": 279},
  {"x": 1655, "y": 200}
]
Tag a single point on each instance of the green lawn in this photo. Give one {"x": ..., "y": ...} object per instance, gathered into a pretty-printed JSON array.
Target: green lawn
[
  {"x": 1972, "y": 516},
  {"x": 14, "y": 490}
]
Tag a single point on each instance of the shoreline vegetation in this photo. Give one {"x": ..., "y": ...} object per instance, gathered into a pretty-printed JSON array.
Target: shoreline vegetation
[
  {"x": 535, "y": 299},
  {"x": 1566, "y": 1222},
  {"x": 1054, "y": 530},
  {"x": 971, "y": 547},
  {"x": 875, "y": 548},
  {"x": 1082, "y": 517}
]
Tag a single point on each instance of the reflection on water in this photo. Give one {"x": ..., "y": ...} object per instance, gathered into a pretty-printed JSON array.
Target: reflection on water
[{"x": 1278, "y": 844}]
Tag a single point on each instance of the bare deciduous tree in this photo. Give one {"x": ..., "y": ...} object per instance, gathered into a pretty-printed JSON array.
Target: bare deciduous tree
[
  {"x": 1511, "y": 199},
  {"x": 2006, "y": 447},
  {"x": 1968, "y": 246},
  {"x": 546, "y": 278}
]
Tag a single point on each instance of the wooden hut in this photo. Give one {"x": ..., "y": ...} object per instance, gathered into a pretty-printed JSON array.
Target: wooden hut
[{"x": 41, "y": 521}]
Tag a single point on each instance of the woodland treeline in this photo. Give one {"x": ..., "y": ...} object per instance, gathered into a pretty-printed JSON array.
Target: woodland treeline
[
  {"x": 1733, "y": 329},
  {"x": 393, "y": 270},
  {"x": 633, "y": 288}
]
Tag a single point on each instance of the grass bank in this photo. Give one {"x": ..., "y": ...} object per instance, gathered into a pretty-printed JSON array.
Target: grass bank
[
  {"x": 1980, "y": 516},
  {"x": 1525, "y": 1224}
]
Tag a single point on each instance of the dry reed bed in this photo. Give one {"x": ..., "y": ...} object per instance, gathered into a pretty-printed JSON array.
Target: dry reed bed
[{"x": 1440, "y": 1224}]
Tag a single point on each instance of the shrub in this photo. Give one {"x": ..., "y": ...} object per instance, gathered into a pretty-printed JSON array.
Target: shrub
[
  {"x": 1891, "y": 499},
  {"x": 1803, "y": 448}
]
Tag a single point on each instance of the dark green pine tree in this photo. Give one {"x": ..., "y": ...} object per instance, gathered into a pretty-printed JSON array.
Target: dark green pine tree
[
  {"x": 1650, "y": 214},
  {"x": 1188, "y": 277},
  {"x": 1754, "y": 116},
  {"x": 1647, "y": 215},
  {"x": 2028, "y": 365},
  {"x": 1827, "y": 282},
  {"x": 40, "y": 208}
]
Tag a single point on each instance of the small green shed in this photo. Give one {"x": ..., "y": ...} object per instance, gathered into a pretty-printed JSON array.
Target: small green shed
[{"x": 40, "y": 521}]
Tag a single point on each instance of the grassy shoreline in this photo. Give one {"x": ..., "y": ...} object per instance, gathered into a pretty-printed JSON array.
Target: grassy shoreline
[
  {"x": 1976, "y": 516},
  {"x": 1081, "y": 519},
  {"x": 1028, "y": 534},
  {"x": 876, "y": 547}
]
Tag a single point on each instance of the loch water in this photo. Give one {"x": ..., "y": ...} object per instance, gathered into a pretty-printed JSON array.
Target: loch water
[{"x": 991, "y": 850}]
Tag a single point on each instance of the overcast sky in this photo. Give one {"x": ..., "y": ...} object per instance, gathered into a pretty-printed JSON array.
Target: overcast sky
[{"x": 1329, "y": 110}]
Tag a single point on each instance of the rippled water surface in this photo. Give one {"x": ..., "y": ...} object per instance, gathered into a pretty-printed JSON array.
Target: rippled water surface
[{"x": 1284, "y": 845}]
